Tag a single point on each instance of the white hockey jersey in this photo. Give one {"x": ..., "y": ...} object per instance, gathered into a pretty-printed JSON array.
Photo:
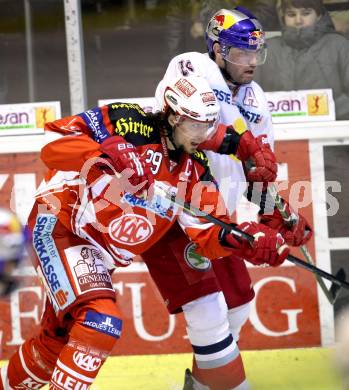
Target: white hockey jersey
[{"x": 247, "y": 101}]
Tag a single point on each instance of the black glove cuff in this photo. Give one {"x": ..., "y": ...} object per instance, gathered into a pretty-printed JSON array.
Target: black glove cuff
[{"x": 230, "y": 142}]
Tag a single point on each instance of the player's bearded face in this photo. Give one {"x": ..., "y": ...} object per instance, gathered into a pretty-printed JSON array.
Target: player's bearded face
[
  {"x": 241, "y": 64},
  {"x": 189, "y": 134}
]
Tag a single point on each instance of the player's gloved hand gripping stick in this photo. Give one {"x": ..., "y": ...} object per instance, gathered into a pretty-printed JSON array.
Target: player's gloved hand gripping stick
[
  {"x": 243, "y": 235},
  {"x": 330, "y": 293},
  {"x": 294, "y": 236}
]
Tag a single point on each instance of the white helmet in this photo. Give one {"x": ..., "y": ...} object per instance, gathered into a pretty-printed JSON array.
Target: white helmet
[{"x": 189, "y": 97}]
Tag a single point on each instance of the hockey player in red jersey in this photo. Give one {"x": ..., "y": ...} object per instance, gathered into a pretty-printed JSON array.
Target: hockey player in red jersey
[{"x": 95, "y": 217}]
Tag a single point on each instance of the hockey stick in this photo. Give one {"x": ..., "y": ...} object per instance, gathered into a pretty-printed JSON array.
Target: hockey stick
[
  {"x": 330, "y": 293},
  {"x": 195, "y": 212}
]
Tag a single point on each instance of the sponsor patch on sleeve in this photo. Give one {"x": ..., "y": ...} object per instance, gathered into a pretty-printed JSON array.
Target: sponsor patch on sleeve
[
  {"x": 103, "y": 323},
  {"x": 94, "y": 120}
]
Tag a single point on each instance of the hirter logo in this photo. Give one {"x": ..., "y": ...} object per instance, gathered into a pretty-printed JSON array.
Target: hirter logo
[{"x": 130, "y": 229}]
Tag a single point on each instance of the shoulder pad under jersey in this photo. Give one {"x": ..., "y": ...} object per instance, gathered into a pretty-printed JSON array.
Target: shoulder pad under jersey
[
  {"x": 132, "y": 123},
  {"x": 202, "y": 159}
]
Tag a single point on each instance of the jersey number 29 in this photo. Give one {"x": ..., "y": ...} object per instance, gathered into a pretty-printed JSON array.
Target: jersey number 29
[{"x": 155, "y": 159}]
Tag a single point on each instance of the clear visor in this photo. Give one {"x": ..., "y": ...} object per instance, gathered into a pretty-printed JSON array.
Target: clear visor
[
  {"x": 196, "y": 130},
  {"x": 246, "y": 57}
]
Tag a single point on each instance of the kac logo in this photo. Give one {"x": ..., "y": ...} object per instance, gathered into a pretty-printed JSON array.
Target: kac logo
[
  {"x": 130, "y": 229},
  {"x": 87, "y": 362}
]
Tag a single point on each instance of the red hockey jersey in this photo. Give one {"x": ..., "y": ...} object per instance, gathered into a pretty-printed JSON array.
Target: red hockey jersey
[{"x": 92, "y": 204}]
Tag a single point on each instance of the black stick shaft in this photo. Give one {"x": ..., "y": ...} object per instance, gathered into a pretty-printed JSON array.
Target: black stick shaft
[
  {"x": 282, "y": 209},
  {"x": 239, "y": 233}
]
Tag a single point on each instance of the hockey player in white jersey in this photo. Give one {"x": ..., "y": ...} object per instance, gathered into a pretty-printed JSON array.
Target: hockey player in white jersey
[
  {"x": 235, "y": 43},
  {"x": 236, "y": 46}
]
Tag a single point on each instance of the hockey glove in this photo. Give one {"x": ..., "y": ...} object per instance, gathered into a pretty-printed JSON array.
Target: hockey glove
[
  {"x": 296, "y": 230},
  {"x": 123, "y": 155},
  {"x": 268, "y": 245},
  {"x": 260, "y": 156},
  {"x": 247, "y": 148}
]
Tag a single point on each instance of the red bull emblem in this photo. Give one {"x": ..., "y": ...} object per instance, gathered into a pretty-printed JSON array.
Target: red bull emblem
[
  {"x": 256, "y": 38},
  {"x": 257, "y": 34},
  {"x": 219, "y": 19}
]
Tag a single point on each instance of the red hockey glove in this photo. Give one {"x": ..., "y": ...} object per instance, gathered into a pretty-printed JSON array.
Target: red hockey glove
[
  {"x": 124, "y": 155},
  {"x": 268, "y": 245},
  {"x": 296, "y": 230},
  {"x": 260, "y": 156}
]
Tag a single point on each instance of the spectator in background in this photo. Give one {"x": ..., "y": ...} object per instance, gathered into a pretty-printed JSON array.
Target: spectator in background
[
  {"x": 268, "y": 13},
  {"x": 207, "y": 9},
  {"x": 308, "y": 55},
  {"x": 181, "y": 15},
  {"x": 339, "y": 11},
  {"x": 187, "y": 21}
]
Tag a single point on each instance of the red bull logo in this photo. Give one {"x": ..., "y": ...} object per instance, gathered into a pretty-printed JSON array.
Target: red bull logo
[
  {"x": 219, "y": 19},
  {"x": 256, "y": 38},
  {"x": 257, "y": 34},
  {"x": 224, "y": 21}
]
